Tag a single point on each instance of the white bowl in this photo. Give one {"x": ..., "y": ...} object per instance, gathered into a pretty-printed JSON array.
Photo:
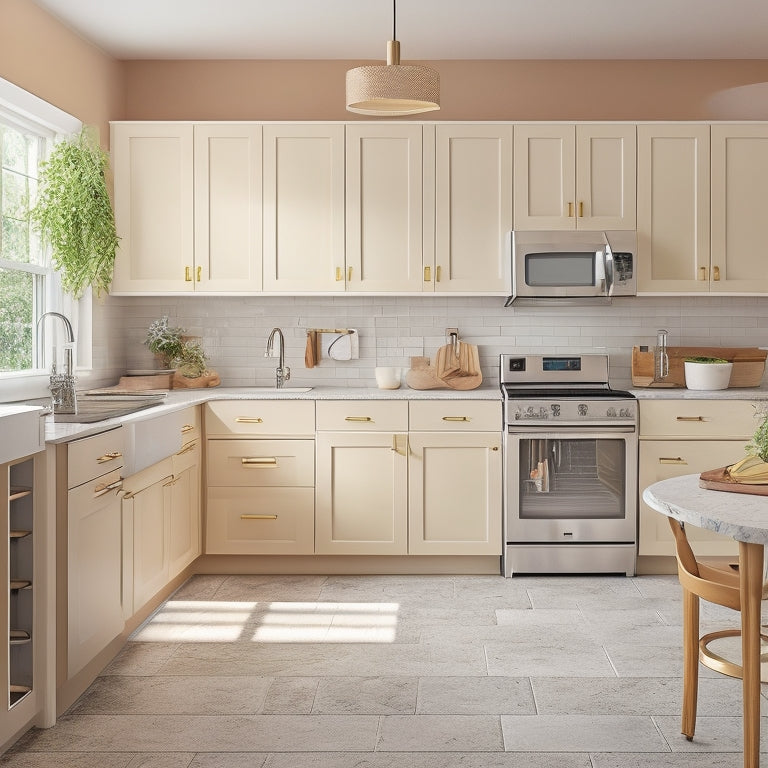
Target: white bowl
[
  {"x": 388, "y": 377},
  {"x": 707, "y": 376}
]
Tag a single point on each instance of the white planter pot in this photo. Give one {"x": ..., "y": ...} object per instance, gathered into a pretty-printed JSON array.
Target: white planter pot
[{"x": 707, "y": 376}]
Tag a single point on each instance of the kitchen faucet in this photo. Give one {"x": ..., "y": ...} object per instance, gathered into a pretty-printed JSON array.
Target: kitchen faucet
[
  {"x": 62, "y": 385},
  {"x": 283, "y": 373}
]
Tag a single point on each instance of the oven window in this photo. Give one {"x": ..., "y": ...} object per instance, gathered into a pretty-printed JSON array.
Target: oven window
[
  {"x": 560, "y": 269},
  {"x": 567, "y": 479}
]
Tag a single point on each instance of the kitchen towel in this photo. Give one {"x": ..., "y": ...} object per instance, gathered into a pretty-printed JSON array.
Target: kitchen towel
[{"x": 310, "y": 354}]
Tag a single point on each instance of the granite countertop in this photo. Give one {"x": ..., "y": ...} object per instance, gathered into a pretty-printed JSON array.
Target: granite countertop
[{"x": 57, "y": 432}]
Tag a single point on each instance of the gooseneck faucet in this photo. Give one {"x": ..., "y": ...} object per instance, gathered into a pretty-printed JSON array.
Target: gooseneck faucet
[
  {"x": 62, "y": 386},
  {"x": 283, "y": 372}
]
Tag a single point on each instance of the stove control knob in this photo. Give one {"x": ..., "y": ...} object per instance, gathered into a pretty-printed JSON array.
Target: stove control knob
[
  {"x": 611, "y": 413},
  {"x": 583, "y": 408}
]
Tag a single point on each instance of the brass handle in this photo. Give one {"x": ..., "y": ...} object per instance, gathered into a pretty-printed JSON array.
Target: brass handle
[
  {"x": 198, "y": 272},
  {"x": 690, "y": 418},
  {"x": 248, "y": 420},
  {"x": 438, "y": 273},
  {"x": 187, "y": 447},
  {"x": 358, "y": 418},
  {"x": 716, "y": 273},
  {"x": 395, "y": 449},
  {"x": 111, "y": 456},
  {"x": 259, "y": 461},
  {"x": 427, "y": 274},
  {"x": 581, "y": 209},
  {"x": 103, "y": 488},
  {"x": 258, "y": 517},
  {"x": 702, "y": 273},
  {"x": 339, "y": 274},
  {"x": 394, "y": 443},
  {"x": 171, "y": 482},
  {"x": 456, "y": 418},
  {"x": 495, "y": 448},
  {"x": 188, "y": 274},
  {"x": 186, "y": 428},
  {"x": 349, "y": 274},
  {"x": 670, "y": 460},
  {"x": 570, "y": 210}
]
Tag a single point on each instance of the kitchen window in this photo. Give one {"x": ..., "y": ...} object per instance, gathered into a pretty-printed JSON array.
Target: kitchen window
[{"x": 29, "y": 285}]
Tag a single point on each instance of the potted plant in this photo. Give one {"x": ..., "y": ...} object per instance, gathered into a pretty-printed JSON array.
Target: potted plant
[
  {"x": 707, "y": 373},
  {"x": 753, "y": 469},
  {"x": 175, "y": 349},
  {"x": 73, "y": 214}
]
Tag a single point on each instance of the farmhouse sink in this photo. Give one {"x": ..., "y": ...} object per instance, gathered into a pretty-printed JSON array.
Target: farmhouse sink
[{"x": 92, "y": 408}]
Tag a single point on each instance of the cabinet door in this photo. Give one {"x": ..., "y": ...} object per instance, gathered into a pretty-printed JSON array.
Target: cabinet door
[
  {"x": 384, "y": 207},
  {"x": 151, "y": 541},
  {"x": 227, "y": 207},
  {"x": 304, "y": 207},
  {"x": 94, "y": 556},
  {"x": 662, "y": 459},
  {"x": 152, "y": 164},
  {"x": 473, "y": 208},
  {"x": 739, "y": 203},
  {"x": 184, "y": 512},
  {"x": 605, "y": 177},
  {"x": 361, "y": 501},
  {"x": 545, "y": 177},
  {"x": 454, "y": 500},
  {"x": 673, "y": 194}
]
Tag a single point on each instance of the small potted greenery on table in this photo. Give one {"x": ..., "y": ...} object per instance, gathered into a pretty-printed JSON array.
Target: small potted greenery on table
[
  {"x": 184, "y": 353},
  {"x": 707, "y": 373}
]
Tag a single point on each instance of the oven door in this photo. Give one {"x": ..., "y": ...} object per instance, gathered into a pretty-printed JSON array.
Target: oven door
[{"x": 571, "y": 486}]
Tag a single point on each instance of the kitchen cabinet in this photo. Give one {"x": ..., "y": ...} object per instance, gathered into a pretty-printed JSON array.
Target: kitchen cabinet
[
  {"x": 681, "y": 437},
  {"x": 454, "y": 478},
  {"x": 260, "y": 477},
  {"x": 384, "y": 207},
  {"x": 673, "y": 207},
  {"x": 472, "y": 209},
  {"x": 361, "y": 496},
  {"x": 575, "y": 176},
  {"x": 185, "y": 525},
  {"x": 187, "y": 207},
  {"x": 304, "y": 207}
]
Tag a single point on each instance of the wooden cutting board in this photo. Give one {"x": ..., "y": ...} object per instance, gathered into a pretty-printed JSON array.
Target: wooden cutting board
[{"x": 718, "y": 480}]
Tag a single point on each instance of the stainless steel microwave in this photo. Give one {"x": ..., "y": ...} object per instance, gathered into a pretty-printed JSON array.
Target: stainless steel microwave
[{"x": 573, "y": 265}]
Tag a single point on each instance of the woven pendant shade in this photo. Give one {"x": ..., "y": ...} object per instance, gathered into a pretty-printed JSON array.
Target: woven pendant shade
[{"x": 394, "y": 89}]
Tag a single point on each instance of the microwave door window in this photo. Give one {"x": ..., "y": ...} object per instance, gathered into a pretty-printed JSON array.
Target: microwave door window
[{"x": 560, "y": 269}]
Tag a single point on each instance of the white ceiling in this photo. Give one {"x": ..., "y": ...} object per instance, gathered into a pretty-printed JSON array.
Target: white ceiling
[{"x": 427, "y": 29}]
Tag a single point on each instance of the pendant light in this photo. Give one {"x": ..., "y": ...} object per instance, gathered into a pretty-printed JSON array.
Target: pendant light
[{"x": 395, "y": 89}]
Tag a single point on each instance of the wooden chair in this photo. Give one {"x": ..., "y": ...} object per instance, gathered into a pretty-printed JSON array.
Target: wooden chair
[{"x": 717, "y": 583}]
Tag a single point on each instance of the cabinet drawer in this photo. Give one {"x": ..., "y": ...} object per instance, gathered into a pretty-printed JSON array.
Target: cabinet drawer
[
  {"x": 244, "y": 521},
  {"x": 455, "y": 416},
  {"x": 261, "y": 462},
  {"x": 277, "y": 418},
  {"x": 697, "y": 419},
  {"x": 362, "y": 415},
  {"x": 92, "y": 457}
]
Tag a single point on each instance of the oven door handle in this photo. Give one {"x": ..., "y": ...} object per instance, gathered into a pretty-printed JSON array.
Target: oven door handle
[{"x": 569, "y": 434}]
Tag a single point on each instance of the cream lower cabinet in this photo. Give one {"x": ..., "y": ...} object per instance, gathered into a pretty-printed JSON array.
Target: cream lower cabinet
[{"x": 681, "y": 437}]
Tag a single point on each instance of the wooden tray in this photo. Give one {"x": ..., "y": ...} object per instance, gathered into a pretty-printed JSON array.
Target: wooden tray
[
  {"x": 748, "y": 365},
  {"x": 718, "y": 480}
]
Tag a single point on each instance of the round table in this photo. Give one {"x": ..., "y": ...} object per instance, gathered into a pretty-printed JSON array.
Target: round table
[{"x": 743, "y": 517}]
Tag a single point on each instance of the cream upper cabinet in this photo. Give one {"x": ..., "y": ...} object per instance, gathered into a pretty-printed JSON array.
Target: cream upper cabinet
[
  {"x": 575, "y": 177},
  {"x": 739, "y": 205},
  {"x": 154, "y": 207},
  {"x": 304, "y": 207},
  {"x": 187, "y": 207},
  {"x": 227, "y": 208},
  {"x": 384, "y": 207},
  {"x": 673, "y": 203},
  {"x": 472, "y": 207}
]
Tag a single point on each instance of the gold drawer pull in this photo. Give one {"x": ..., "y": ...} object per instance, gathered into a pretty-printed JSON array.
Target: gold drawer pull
[
  {"x": 702, "y": 273},
  {"x": 581, "y": 209},
  {"x": 395, "y": 448},
  {"x": 427, "y": 274},
  {"x": 438, "y": 273},
  {"x": 187, "y": 447},
  {"x": 248, "y": 420},
  {"x": 258, "y": 517},
  {"x": 103, "y": 488},
  {"x": 259, "y": 461},
  {"x": 339, "y": 274},
  {"x": 690, "y": 418},
  {"x": 188, "y": 274},
  {"x": 358, "y": 418},
  {"x": 570, "y": 210},
  {"x": 187, "y": 428},
  {"x": 111, "y": 456},
  {"x": 198, "y": 273},
  {"x": 456, "y": 418},
  {"x": 670, "y": 460},
  {"x": 716, "y": 273}
]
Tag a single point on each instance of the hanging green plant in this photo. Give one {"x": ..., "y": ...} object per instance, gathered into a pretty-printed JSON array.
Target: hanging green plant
[{"x": 74, "y": 214}]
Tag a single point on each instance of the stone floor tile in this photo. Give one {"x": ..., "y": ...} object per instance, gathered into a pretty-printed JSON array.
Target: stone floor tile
[
  {"x": 141, "y": 659},
  {"x": 475, "y": 696},
  {"x": 268, "y": 588},
  {"x": 200, "y": 587},
  {"x": 713, "y": 734},
  {"x": 439, "y": 733},
  {"x": 634, "y": 660},
  {"x": 667, "y": 760},
  {"x": 366, "y": 696},
  {"x": 538, "y": 660},
  {"x": 20, "y": 757},
  {"x": 427, "y": 760},
  {"x": 162, "y": 760},
  {"x": 229, "y": 760},
  {"x": 290, "y": 696}
]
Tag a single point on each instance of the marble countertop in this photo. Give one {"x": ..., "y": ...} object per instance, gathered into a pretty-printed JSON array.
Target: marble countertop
[
  {"x": 741, "y": 516},
  {"x": 56, "y": 432},
  {"x": 681, "y": 393}
]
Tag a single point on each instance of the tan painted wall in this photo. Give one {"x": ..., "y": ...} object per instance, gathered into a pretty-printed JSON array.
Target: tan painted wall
[
  {"x": 471, "y": 90},
  {"x": 43, "y": 56}
]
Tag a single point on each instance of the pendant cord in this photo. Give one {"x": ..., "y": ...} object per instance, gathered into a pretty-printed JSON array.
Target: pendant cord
[{"x": 394, "y": 19}]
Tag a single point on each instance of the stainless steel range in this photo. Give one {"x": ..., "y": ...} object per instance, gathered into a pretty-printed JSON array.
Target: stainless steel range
[{"x": 570, "y": 474}]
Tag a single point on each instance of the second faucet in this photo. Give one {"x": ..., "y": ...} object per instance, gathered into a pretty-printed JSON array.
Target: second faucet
[{"x": 283, "y": 373}]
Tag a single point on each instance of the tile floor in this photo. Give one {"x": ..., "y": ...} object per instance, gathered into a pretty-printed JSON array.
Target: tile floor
[{"x": 401, "y": 672}]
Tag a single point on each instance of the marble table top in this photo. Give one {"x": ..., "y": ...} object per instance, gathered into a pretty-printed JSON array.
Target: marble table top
[{"x": 741, "y": 516}]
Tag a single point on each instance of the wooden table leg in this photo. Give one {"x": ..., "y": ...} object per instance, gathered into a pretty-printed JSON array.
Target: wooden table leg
[{"x": 751, "y": 587}]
